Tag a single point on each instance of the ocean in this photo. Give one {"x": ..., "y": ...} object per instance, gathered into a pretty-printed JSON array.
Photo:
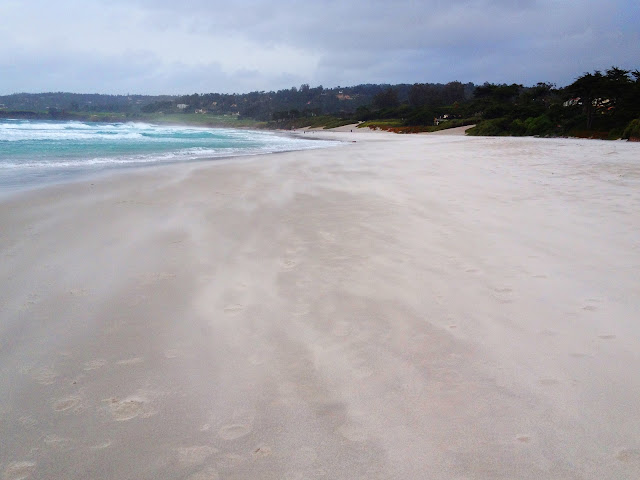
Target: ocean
[{"x": 36, "y": 152}]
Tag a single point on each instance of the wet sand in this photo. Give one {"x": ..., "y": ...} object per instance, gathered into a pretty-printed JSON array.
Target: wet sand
[{"x": 401, "y": 307}]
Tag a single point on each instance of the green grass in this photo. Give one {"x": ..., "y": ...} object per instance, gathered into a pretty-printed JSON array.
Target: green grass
[
  {"x": 334, "y": 122},
  {"x": 398, "y": 125},
  {"x": 320, "y": 121},
  {"x": 203, "y": 120},
  {"x": 101, "y": 116},
  {"x": 383, "y": 124},
  {"x": 458, "y": 122}
]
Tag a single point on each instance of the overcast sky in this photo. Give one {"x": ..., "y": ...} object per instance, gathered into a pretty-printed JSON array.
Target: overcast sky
[{"x": 169, "y": 46}]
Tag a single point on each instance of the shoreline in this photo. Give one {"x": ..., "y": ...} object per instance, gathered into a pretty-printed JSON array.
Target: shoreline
[
  {"x": 88, "y": 173},
  {"x": 85, "y": 118},
  {"x": 401, "y": 306}
]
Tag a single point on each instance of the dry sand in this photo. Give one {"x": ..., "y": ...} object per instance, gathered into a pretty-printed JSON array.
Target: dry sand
[{"x": 402, "y": 307}]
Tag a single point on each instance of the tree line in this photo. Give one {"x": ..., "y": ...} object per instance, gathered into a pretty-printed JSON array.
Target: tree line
[{"x": 598, "y": 104}]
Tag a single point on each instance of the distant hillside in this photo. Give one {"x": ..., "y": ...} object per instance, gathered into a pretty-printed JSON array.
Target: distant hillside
[
  {"x": 599, "y": 105},
  {"x": 79, "y": 102},
  {"x": 295, "y": 102}
]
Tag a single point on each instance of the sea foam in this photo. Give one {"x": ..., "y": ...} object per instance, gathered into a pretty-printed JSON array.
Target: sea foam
[{"x": 41, "y": 151}]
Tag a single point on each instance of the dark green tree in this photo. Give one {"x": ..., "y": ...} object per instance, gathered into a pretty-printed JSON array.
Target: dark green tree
[
  {"x": 588, "y": 88},
  {"x": 386, "y": 99}
]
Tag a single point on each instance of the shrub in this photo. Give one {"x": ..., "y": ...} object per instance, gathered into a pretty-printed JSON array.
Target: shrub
[
  {"x": 491, "y": 128},
  {"x": 518, "y": 127},
  {"x": 541, "y": 125},
  {"x": 632, "y": 132}
]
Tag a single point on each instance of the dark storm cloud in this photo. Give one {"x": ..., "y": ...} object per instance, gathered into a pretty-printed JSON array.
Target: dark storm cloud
[{"x": 167, "y": 46}]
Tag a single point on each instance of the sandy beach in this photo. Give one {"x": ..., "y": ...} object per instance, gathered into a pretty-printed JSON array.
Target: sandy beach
[{"x": 399, "y": 307}]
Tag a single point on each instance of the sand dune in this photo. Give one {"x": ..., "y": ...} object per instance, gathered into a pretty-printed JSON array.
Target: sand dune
[{"x": 402, "y": 307}]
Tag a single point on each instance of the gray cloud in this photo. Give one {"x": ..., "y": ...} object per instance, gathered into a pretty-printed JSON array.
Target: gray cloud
[{"x": 200, "y": 46}]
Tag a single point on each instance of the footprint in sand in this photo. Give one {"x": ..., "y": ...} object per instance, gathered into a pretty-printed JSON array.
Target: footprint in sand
[
  {"x": 548, "y": 382},
  {"x": 130, "y": 361},
  {"x": 101, "y": 446},
  {"x": 502, "y": 290},
  {"x": 151, "y": 278},
  {"x": 629, "y": 455},
  {"x": 256, "y": 359},
  {"x": 301, "y": 310},
  {"x": 208, "y": 473},
  {"x": 32, "y": 300},
  {"x": 591, "y": 305},
  {"x": 230, "y": 460},
  {"x": 19, "y": 470},
  {"x": 79, "y": 292},
  {"x": 303, "y": 283},
  {"x": 67, "y": 403},
  {"x": 503, "y": 294},
  {"x": 28, "y": 421},
  {"x": 288, "y": 263},
  {"x": 57, "y": 442},
  {"x": 607, "y": 337},
  {"x": 94, "y": 364},
  {"x": 262, "y": 451},
  {"x": 45, "y": 376},
  {"x": 233, "y": 309},
  {"x": 579, "y": 355},
  {"x": 234, "y": 431},
  {"x": 128, "y": 408},
  {"x": 328, "y": 236},
  {"x": 195, "y": 455},
  {"x": 548, "y": 333}
]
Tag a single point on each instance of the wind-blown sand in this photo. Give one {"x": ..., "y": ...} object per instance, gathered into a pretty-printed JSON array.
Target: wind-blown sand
[{"x": 402, "y": 307}]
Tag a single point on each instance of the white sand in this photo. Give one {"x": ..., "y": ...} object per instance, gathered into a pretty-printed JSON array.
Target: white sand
[{"x": 403, "y": 307}]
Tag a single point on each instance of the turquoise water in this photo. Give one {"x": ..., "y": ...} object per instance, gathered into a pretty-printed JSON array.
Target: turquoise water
[{"x": 34, "y": 152}]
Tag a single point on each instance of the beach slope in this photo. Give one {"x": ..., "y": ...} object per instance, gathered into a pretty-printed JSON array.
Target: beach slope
[{"x": 402, "y": 307}]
